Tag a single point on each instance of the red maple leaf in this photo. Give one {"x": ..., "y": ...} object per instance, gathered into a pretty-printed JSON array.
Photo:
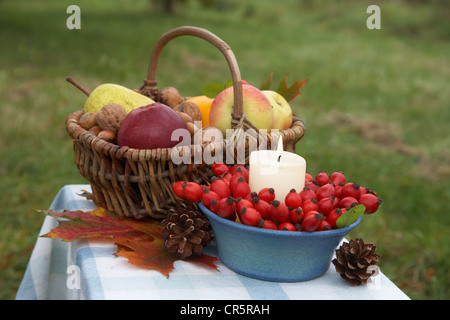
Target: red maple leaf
[{"x": 139, "y": 241}]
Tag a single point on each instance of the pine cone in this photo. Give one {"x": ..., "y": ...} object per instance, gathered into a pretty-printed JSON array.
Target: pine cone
[
  {"x": 186, "y": 230},
  {"x": 353, "y": 260}
]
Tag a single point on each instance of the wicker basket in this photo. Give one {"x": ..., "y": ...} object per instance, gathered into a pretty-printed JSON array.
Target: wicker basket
[{"x": 137, "y": 183}]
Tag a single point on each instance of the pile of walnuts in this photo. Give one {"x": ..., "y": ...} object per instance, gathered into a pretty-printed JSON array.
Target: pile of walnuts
[{"x": 105, "y": 123}]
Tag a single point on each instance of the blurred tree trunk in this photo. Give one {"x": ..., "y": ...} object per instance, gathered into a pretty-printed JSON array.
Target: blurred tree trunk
[{"x": 167, "y": 5}]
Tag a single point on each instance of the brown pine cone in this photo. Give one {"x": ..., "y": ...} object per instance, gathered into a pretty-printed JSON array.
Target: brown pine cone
[
  {"x": 186, "y": 230},
  {"x": 353, "y": 260}
]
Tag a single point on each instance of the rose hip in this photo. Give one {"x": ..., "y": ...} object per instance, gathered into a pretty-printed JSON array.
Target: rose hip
[
  {"x": 337, "y": 178},
  {"x": 326, "y": 205},
  {"x": 236, "y": 172},
  {"x": 325, "y": 191},
  {"x": 310, "y": 205},
  {"x": 226, "y": 208},
  {"x": 178, "y": 189},
  {"x": 286, "y": 226},
  {"x": 324, "y": 226},
  {"x": 307, "y": 193},
  {"x": 322, "y": 178},
  {"x": 293, "y": 199},
  {"x": 227, "y": 178},
  {"x": 214, "y": 205},
  {"x": 267, "y": 194},
  {"x": 351, "y": 189},
  {"x": 279, "y": 211},
  {"x": 312, "y": 212},
  {"x": 241, "y": 203},
  {"x": 240, "y": 188},
  {"x": 235, "y": 177},
  {"x": 219, "y": 169},
  {"x": 312, "y": 222},
  {"x": 338, "y": 190},
  {"x": 249, "y": 216},
  {"x": 348, "y": 202},
  {"x": 334, "y": 215},
  {"x": 336, "y": 201},
  {"x": 296, "y": 215},
  {"x": 371, "y": 202},
  {"x": 241, "y": 170},
  {"x": 192, "y": 191},
  {"x": 262, "y": 206},
  {"x": 250, "y": 196},
  {"x": 313, "y": 185},
  {"x": 208, "y": 196},
  {"x": 267, "y": 224},
  {"x": 221, "y": 188}
]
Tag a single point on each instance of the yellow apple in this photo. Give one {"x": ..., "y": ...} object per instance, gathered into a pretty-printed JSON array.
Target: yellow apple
[
  {"x": 282, "y": 112},
  {"x": 256, "y": 107}
]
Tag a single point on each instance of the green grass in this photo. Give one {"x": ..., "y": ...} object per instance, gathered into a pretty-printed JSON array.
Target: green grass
[{"x": 376, "y": 106}]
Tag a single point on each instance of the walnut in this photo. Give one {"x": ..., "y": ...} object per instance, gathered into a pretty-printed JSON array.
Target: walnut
[
  {"x": 110, "y": 117},
  {"x": 186, "y": 118},
  {"x": 88, "y": 120},
  {"x": 170, "y": 97},
  {"x": 190, "y": 108}
]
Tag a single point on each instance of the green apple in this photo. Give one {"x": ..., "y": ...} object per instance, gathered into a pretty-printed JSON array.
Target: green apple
[
  {"x": 282, "y": 112},
  {"x": 256, "y": 107}
]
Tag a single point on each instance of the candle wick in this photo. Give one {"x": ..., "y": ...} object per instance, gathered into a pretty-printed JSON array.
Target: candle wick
[{"x": 279, "y": 158}]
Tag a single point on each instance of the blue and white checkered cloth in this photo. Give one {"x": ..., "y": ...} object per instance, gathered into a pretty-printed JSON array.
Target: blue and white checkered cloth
[{"x": 88, "y": 270}]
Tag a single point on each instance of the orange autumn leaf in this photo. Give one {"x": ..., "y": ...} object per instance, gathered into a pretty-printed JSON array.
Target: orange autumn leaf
[
  {"x": 139, "y": 241},
  {"x": 147, "y": 254},
  {"x": 98, "y": 223}
]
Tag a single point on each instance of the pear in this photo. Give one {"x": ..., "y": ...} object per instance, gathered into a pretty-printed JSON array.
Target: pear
[{"x": 113, "y": 93}]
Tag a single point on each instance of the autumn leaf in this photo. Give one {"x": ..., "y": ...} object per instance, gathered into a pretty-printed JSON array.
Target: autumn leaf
[
  {"x": 266, "y": 85},
  {"x": 288, "y": 93},
  {"x": 291, "y": 92},
  {"x": 205, "y": 260},
  {"x": 139, "y": 241},
  {"x": 98, "y": 223},
  {"x": 147, "y": 253}
]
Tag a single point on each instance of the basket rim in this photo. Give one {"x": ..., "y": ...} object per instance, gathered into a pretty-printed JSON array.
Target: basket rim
[{"x": 76, "y": 132}]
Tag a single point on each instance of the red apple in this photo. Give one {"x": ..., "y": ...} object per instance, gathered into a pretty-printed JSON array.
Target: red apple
[
  {"x": 256, "y": 107},
  {"x": 150, "y": 127}
]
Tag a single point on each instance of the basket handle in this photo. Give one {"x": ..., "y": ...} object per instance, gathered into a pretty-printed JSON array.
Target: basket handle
[{"x": 151, "y": 83}]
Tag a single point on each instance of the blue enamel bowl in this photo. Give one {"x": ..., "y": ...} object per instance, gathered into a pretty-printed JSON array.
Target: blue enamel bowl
[{"x": 273, "y": 255}]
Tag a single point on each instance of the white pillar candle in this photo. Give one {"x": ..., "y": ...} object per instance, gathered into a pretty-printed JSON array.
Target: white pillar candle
[{"x": 277, "y": 169}]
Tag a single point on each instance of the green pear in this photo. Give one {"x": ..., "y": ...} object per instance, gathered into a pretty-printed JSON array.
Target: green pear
[{"x": 113, "y": 93}]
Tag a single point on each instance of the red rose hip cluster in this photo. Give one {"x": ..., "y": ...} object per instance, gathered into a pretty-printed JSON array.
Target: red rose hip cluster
[{"x": 315, "y": 208}]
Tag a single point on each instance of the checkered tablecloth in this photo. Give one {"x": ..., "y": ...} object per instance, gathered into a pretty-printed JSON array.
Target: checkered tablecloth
[{"x": 89, "y": 270}]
